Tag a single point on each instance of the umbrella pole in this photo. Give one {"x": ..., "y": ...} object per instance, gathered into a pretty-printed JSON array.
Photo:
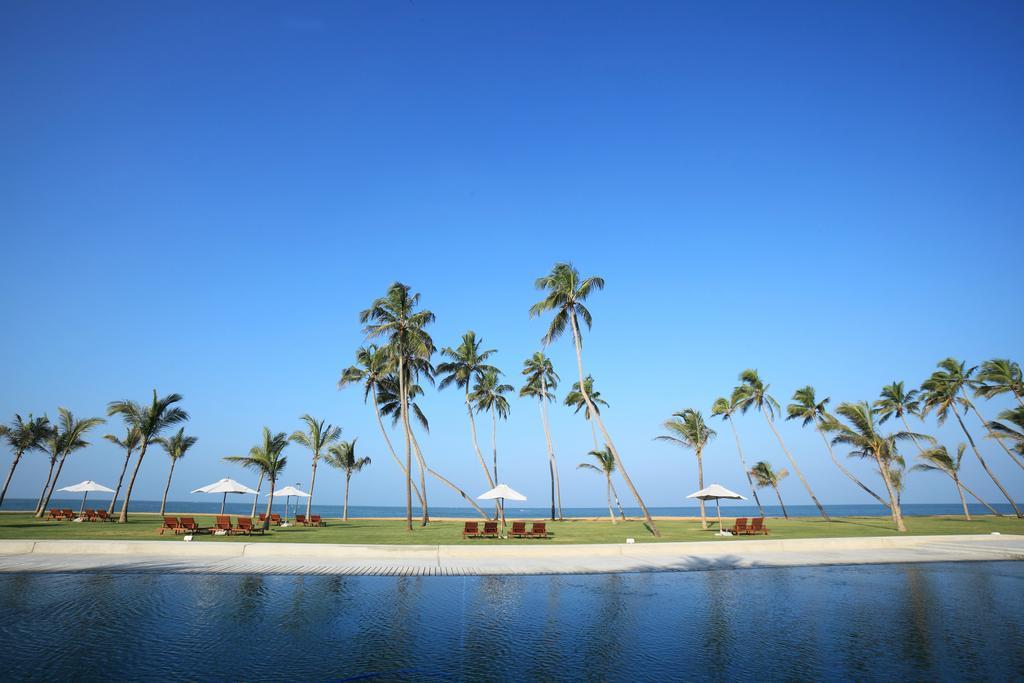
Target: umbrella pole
[
  {"x": 82, "y": 509},
  {"x": 718, "y": 506},
  {"x": 222, "y": 501}
]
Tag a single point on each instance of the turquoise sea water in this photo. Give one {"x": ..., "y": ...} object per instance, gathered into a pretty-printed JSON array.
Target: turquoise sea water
[{"x": 949, "y": 621}]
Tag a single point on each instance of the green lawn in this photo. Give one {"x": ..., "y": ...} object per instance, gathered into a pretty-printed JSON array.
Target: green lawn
[{"x": 143, "y": 526}]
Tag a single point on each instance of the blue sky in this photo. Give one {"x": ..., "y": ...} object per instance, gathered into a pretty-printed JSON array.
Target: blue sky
[{"x": 201, "y": 199}]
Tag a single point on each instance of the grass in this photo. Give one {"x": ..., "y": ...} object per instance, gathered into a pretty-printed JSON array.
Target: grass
[{"x": 143, "y": 526}]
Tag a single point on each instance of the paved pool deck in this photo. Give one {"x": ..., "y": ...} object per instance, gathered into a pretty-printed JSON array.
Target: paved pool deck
[{"x": 163, "y": 557}]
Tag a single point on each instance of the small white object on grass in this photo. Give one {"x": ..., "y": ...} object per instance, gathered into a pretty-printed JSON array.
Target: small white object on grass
[
  {"x": 996, "y": 533},
  {"x": 630, "y": 541},
  {"x": 188, "y": 537}
]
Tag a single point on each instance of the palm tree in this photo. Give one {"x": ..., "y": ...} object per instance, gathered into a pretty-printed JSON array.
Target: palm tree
[
  {"x": 1000, "y": 376},
  {"x": 939, "y": 460},
  {"x": 541, "y": 381},
  {"x": 52, "y": 443},
  {"x": 23, "y": 436},
  {"x": 764, "y": 477},
  {"x": 726, "y": 408},
  {"x": 394, "y": 316},
  {"x": 342, "y": 455},
  {"x": 176, "y": 447},
  {"x": 372, "y": 365},
  {"x": 131, "y": 441},
  {"x": 943, "y": 394},
  {"x": 318, "y": 435},
  {"x": 566, "y": 292},
  {"x": 1014, "y": 431},
  {"x": 574, "y": 399},
  {"x": 606, "y": 466},
  {"x": 688, "y": 430},
  {"x": 488, "y": 396},
  {"x": 150, "y": 421},
  {"x": 807, "y": 408},
  {"x": 267, "y": 459},
  {"x": 71, "y": 438},
  {"x": 753, "y": 393},
  {"x": 390, "y": 405}
]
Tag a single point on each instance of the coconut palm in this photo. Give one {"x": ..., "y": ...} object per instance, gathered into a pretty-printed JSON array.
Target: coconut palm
[
  {"x": 71, "y": 438},
  {"x": 764, "y": 477},
  {"x": 372, "y": 365},
  {"x": 944, "y": 392},
  {"x": 565, "y": 293},
  {"x": 753, "y": 393},
  {"x": 937, "y": 459},
  {"x": 23, "y": 436},
  {"x": 575, "y": 399},
  {"x": 807, "y": 408},
  {"x": 895, "y": 401},
  {"x": 150, "y": 421},
  {"x": 687, "y": 429},
  {"x": 488, "y": 396},
  {"x": 541, "y": 381},
  {"x": 342, "y": 456},
  {"x": 52, "y": 443},
  {"x": 606, "y": 466},
  {"x": 1000, "y": 376},
  {"x": 131, "y": 441},
  {"x": 318, "y": 436},
  {"x": 176, "y": 446},
  {"x": 1012, "y": 432},
  {"x": 266, "y": 458},
  {"x": 726, "y": 408},
  {"x": 394, "y": 317}
]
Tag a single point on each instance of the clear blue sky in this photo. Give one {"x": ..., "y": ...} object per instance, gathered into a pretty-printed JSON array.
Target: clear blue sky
[{"x": 201, "y": 199}]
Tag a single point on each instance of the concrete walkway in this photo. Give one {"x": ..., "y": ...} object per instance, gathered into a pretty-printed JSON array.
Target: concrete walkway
[{"x": 470, "y": 560}]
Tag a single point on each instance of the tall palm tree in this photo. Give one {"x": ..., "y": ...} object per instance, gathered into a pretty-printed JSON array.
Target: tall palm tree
[
  {"x": 176, "y": 446},
  {"x": 266, "y": 457},
  {"x": 687, "y": 429},
  {"x": 726, "y": 408},
  {"x": 937, "y": 459},
  {"x": 488, "y": 396},
  {"x": 372, "y": 365},
  {"x": 944, "y": 393},
  {"x": 1000, "y": 376},
  {"x": 753, "y": 393},
  {"x": 394, "y": 317},
  {"x": 566, "y": 292},
  {"x": 71, "y": 438},
  {"x": 390, "y": 405},
  {"x": 22, "y": 436},
  {"x": 575, "y": 399},
  {"x": 52, "y": 444},
  {"x": 318, "y": 435},
  {"x": 342, "y": 455},
  {"x": 131, "y": 441},
  {"x": 764, "y": 477},
  {"x": 541, "y": 381},
  {"x": 606, "y": 466},
  {"x": 807, "y": 408},
  {"x": 150, "y": 421}
]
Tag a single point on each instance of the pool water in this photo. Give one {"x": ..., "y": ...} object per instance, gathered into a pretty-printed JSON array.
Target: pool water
[{"x": 945, "y": 621}]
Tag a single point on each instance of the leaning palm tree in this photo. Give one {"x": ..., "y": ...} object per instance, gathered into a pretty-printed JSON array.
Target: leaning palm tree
[
  {"x": 390, "y": 406},
  {"x": 52, "y": 444},
  {"x": 606, "y": 466},
  {"x": 687, "y": 429},
  {"x": 318, "y": 435},
  {"x": 566, "y": 292},
  {"x": 753, "y": 393},
  {"x": 23, "y": 436},
  {"x": 895, "y": 401},
  {"x": 394, "y": 317},
  {"x": 1000, "y": 376},
  {"x": 574, "y": 399},
  {"x": 176, "y": 446},
  {"x": 943, "y": 393},
  {"x": 266, "y": 458},
  {"x": 1009, "y": 425},
  {"x": 342, "y": 456},
  {"x": 937, "y": 459},
  {"x": 726, "y": 408},
  {"x": 541, "y": 381},
  {"x": 131, "y": 441},
  {"x": 488, "y": 396},
  {"x": 71, "y": 438},
  {"x": 765, "y": 476},
  {"x": 807, "y": 408},
  {"x": 150, "y": 421}
]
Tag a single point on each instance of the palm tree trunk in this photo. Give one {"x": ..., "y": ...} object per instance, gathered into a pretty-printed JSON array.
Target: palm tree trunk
[
  {"x": 53, "y": 485},
  {"x": 906, "y": 425},
  {"x": 46, "y": 485},
  {"x": 461, "y": 493},
  {"x": 611, "y": 513},
  {"x": 991, "y": 509},
  {"x": 499, "y": 502},
  {"x": 421, "y": 461},
  {"x": 551, "y": 472},
  {"x": 551, "y": 449},
  {"x": 476, "y": 445},
  {"x": 781, "y": 504},
  {"x": 700, "y": 487},
  {"x": 163, "y": 502},
  {"x": 993, "y": 436},
  {"x": 123, "y": 517},
  {"x": 984, "y": 465},
  {"x": 796, "y": 468},
  {"x": 849, "y": 474},
  {"x": 894, "y": 506},
  {"x": 255, "y": 499},
  {"x": 14, "y": 465},
  {"x": 551, "y": 457},
  {"x": 404, "y": 410},
  {"x": 120, "y": 480},
  {"x": 270, "y": 503},
  {"x": 391, "y": 448},
  {"x": 743, "y": 463},
  {"x": 604, "y": 432},
  {"x": 312, "y": 483},
  {"x": 963, "y": 501},
  {"x": 617, "y": 503},
  {"x": 344, "y": 515}
]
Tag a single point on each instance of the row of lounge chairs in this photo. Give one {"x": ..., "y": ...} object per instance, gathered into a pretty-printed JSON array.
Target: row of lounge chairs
[
  {"x": 88, "y": 515},
  {"x": 756, "y": 526},
  {"x": 491, "y": 530},
  {"x": 188, "y": 525}
]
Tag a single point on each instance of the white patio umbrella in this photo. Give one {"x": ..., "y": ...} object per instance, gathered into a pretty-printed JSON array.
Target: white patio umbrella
[
  {"x": 716, "y": 492},
  {"x": 224, "y": 486},
  {"x": 85, "y": 487},
  {"x": 504, "y": 492},
  {"x": 289, "y": 491}
]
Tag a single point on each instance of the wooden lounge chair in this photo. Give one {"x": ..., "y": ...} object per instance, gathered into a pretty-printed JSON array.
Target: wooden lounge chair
[
  {"x": 188, "y": 525},
  {"x": 88, "y": 515},
  {"x": 55, "y": 513},
  {"x": 245, "y": 526},
  {"x": 275, "y": 519},
  {"x": 171, "y": 523},
  {"x": 68, "y": 514},
  {"x": 316, "y": 520},
  {"x": 471, "y": 530},
  {"x": 102, "y": 516},
  {"x": 490, "y": 529},
  {"x": 740, "y": 527},
  {"x": 757, "y": 527},
  {"x": 263, "y": 517},
  {"x": 223, "y": 523},
  {"x": 301, "y": 519},
  {"x": 518, "y": 530},
  {"x": 539, "y": 530}
]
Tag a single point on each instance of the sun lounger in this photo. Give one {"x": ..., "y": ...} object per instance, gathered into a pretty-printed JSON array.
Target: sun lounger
[
  {"x": 245, "y": 526},
  {"x": 518, "y": 530},
  {"x": 539, "y": 530},
  {"x": 188, "y": 525},
  {"x": 102, "y": 516},
  {"x": 223, "y": 523},
  {"x": 263, "y": 517},
  {"x": 316, "y": 520},
  {"x": 490, "y": 529},
  {"x": 757, "y": 527},
  {"x": 470, "y": 530},
  {"x": 301, "y": 519},
  {"x": 55, "y": 513},
  {"x": 740, "y": 527},
  {"x": 275, "y": 519},
  {"x": 68, "y": 514},
  {"x": 171, "y": 523},
  {"x": 88, "y": 515}
]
